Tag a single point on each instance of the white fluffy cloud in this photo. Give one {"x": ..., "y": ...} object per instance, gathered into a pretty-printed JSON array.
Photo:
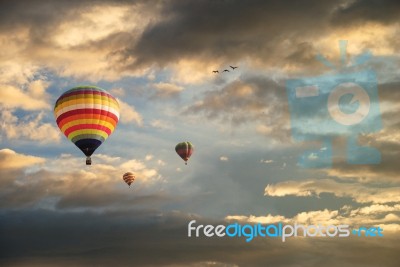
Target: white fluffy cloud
[
  {"x": 266, "y": 161},
  {"x": 129, "y": 113},
  {"x": 166, "y": 89},
  {"x": 194, "y": 70},
  {"x": 223, "y": 158},
  {"x": 161, "y": 162},
  {"x": 28, "y": 128},
  {"x": 163, "y": 125},
  {"x": 106, "y": 158},
  {"x": 119, "y": 92},
  {"x": 149, "y": 157}
]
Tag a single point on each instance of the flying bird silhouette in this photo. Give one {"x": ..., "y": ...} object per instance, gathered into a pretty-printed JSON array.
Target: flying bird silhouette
[
  {"x": 215, "y": 71},
  {"x": 226, "y": 71},
  {"x": 233, "y": 67}
]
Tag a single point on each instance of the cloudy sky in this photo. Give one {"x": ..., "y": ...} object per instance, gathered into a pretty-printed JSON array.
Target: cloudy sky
[{"x": 157, "y": 58}]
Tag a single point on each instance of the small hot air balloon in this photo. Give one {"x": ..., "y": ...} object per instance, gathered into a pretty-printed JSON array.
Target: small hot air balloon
[
  {"x": 87, "y": 115},
  {"x": 184, "y": 150},
  {"x": 129, "y": 178}
]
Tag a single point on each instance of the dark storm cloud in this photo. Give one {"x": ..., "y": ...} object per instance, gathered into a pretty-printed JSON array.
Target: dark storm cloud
[
  {"x": 89, "y": 199},
  {"x": 45, "y": 12},
  {"x": 361, "y": 11},
  {"x": 389, "y": 92},
  {"x": 276, "y": 33},
  {"x": 14, "y": 193},
  {"x": 232, "y": 30},
  {"x": 385, "y": 172},
  {"x": 36, "y": 13},
  {"x": 304, "y": 54},
  {"x": 147, "y": 238}
]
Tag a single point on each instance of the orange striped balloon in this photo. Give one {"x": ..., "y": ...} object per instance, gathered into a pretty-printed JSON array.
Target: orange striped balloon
[
  {"x": 129, "y": 178},
  {"x": 87, "y": 115}
]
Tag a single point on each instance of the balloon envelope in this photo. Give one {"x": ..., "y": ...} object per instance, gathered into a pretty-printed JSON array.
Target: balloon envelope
[
  {"x": 128, "y": 178},
  {"x": 184, "y": 150},
  {"x": 87, "y": 115}
]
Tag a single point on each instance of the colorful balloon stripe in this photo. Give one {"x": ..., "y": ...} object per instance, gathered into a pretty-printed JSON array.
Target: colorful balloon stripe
[
  {"x": 84, "y": 118},
  {"x": 84, "y": 103},
  {"x": 77, "y": 107},
  {"x": 66, "y": 126},
  {"x": 73, "y": 92},
  {"x": 87, "y": 127},
  {"x": 88, "y": 112},
  {"x": 85, "y": 99}
]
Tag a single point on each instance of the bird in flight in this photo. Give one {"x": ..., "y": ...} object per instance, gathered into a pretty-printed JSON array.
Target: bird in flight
[
  {"x": 215, "y": 71},
  {"x": 226, "y": 71},
  {"x": 233, "y": 67}
]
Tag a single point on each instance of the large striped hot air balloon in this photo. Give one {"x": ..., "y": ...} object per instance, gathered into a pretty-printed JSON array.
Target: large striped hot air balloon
[
  {"x": 184, "y": 150},
  {"x": 87, "y": 115}
]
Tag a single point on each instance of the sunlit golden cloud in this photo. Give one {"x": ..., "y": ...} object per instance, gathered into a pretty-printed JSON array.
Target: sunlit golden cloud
[
  {"x": 361, "y": 193},
  {"x": 63, "y": 182},
  {"x": 387, "y": 220},
  {"x": 10, "y": 159},
  {"x": 34, "y": 98}
]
